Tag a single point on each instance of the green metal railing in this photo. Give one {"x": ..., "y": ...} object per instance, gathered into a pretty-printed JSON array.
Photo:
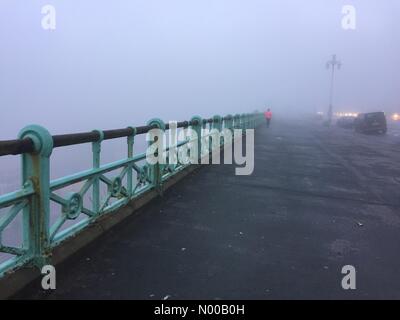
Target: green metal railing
[{"x": 132, "y": 177}]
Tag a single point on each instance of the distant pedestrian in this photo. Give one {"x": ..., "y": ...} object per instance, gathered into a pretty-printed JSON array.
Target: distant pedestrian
[{"x": 268, "y": 116}]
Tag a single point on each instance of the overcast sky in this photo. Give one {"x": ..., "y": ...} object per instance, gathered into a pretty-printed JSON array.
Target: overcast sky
[{"x": 109, "y": 64}]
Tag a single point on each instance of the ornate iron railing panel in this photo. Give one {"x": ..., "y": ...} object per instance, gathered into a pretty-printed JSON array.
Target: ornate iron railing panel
[{"x": 49, "y": 215}]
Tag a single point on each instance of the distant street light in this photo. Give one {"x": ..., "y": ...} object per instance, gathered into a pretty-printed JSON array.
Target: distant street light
[{"x": 334, "y": 63}]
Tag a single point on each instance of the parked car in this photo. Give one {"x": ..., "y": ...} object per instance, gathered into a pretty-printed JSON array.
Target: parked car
[
  {"x": 345, "y": 122},
  {"x": 374, "y": 122}
]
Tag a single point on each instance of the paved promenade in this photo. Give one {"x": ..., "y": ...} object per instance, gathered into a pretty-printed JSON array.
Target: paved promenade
[{"x": 319, "y": 199}]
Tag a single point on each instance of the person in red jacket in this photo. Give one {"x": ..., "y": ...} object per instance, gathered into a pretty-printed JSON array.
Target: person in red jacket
[{"x": 268, "y": 116}]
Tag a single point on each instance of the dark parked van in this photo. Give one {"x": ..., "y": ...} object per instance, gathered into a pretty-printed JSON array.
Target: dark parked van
[{"x": 374, "y": 122}]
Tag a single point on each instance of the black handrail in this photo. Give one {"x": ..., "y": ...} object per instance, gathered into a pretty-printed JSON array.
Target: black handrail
[{"x": 19, "y": 146}]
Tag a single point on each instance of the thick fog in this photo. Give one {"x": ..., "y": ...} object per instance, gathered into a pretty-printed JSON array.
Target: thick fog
[
  {"x": 96, "y": 64},
  {"x": 109, "y": 64}
]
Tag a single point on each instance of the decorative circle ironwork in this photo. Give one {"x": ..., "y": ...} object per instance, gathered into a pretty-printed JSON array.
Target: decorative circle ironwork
[
  {"x": 74, "y": 206},
  {"x": 116, "y": 186}
]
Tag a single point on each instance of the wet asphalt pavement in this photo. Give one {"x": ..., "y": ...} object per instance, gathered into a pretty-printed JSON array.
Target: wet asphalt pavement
[{"x": 318, "y": 199}]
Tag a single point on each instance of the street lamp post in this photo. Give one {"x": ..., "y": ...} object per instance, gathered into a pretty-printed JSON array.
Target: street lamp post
[{"x": 334, "y": 63}]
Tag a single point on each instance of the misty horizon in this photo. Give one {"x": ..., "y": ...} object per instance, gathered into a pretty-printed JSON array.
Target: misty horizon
[{"x": 109, "y": 65}]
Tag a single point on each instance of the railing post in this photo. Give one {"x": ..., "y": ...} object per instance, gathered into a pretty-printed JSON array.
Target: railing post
[
  {"x": 228, "y": 122},
  {"x": 217, "y": 122},
  {"x": 36, "y": 169},
  {"x": 96, "y": 151},
  {"x": 217, "y": 125},
  {"x": 197, "y": 128},
  {"x": 130, "y": 142},
  {"x": 203, "y": 138},
  {"x": 155, "y": 170},
  {"x": 228, "y": 140},
  {"x": 236, "y": 121},
  {"x": 243, "y": 123},
  {"x": 210, "y": 140}
]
